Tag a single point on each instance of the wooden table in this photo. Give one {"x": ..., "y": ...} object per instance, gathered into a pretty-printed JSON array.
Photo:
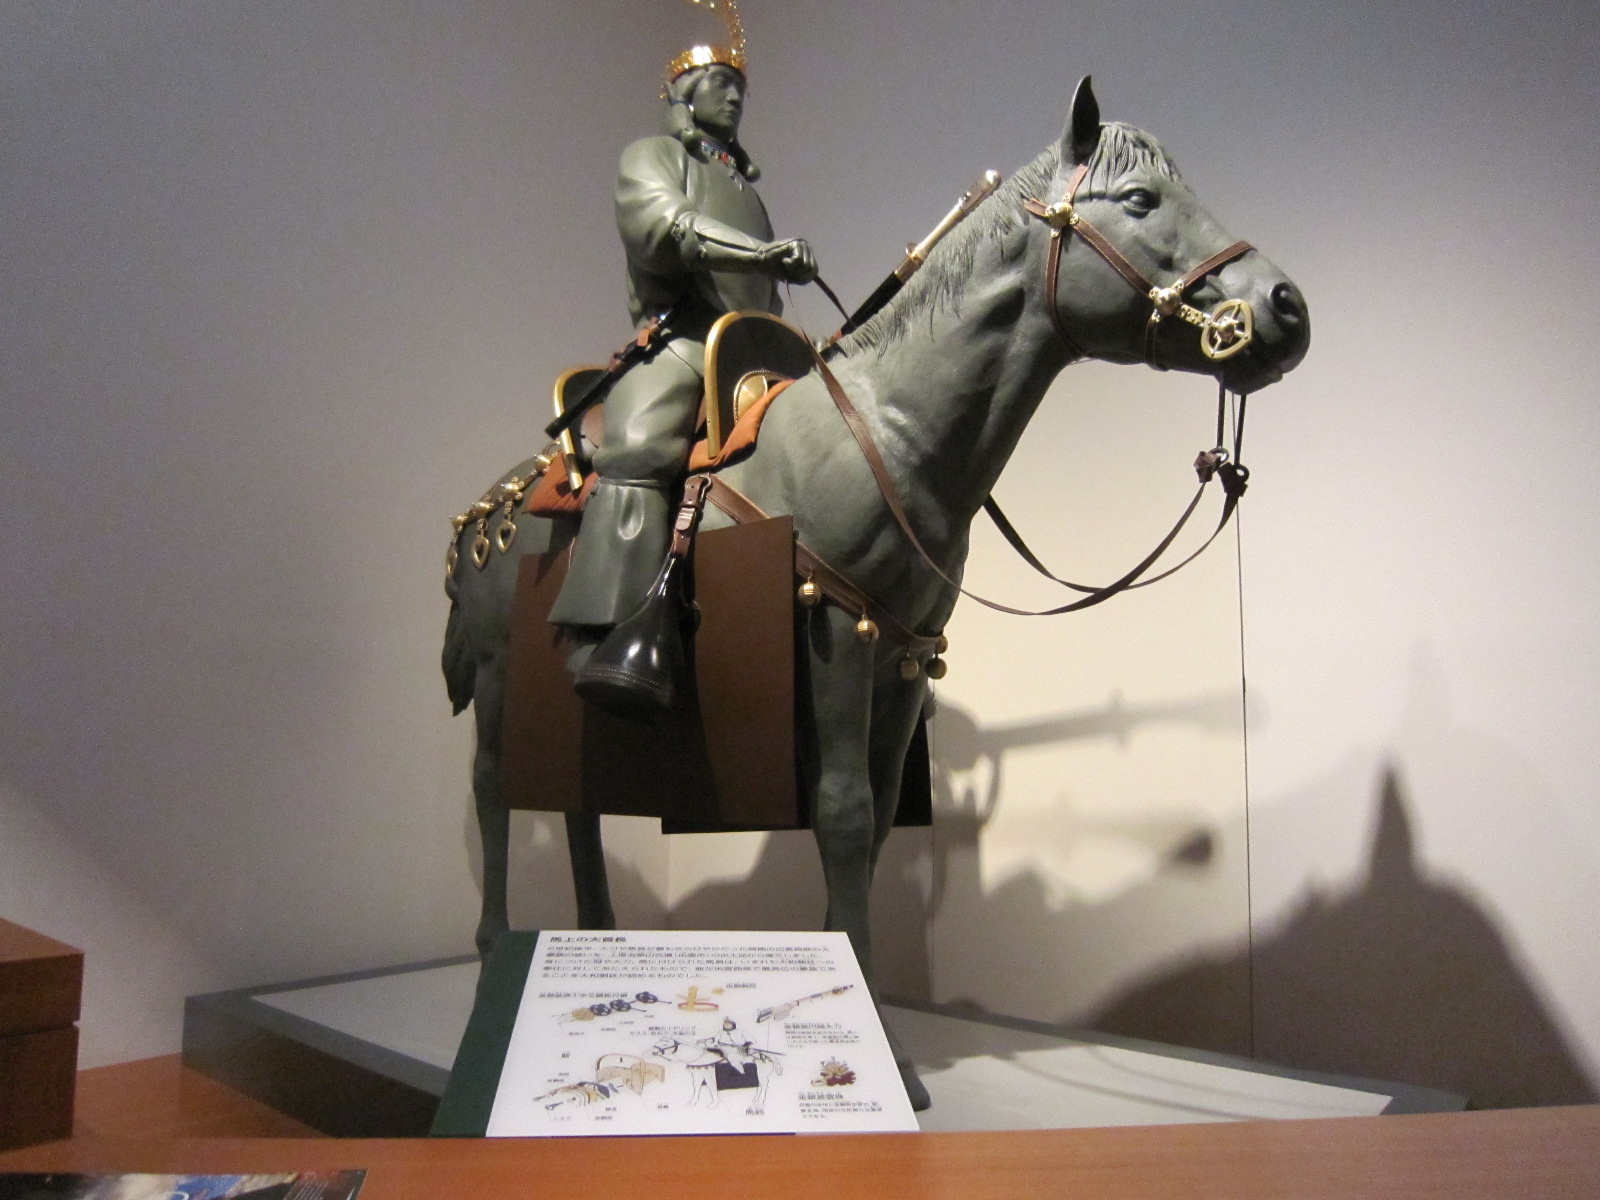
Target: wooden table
[{"x": 1529, "y": 1154}]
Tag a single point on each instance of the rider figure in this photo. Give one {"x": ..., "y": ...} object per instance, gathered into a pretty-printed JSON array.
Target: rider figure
[{"x": 699, "y": 244}]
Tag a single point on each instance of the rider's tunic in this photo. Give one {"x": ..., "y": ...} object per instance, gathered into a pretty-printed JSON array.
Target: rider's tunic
[{"x": 650, "y": 413}]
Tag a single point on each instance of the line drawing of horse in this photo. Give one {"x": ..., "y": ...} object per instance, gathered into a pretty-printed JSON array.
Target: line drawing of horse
[
  {"x": 716, "y": 1065},
  {"x": 945, "y": 378}
]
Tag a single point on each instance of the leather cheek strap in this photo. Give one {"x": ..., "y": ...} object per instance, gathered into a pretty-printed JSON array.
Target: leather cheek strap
[{"x": 1064, "y": 221}]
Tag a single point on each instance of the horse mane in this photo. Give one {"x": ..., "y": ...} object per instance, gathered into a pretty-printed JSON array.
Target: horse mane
[{"x": 938, "y": 285}]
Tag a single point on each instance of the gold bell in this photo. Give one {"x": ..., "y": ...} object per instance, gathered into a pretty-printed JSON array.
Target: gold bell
[
  {"x": 910, "y": 668},
  {"x": 937, "y": 668},
  {"x": 809, "y": 594},
  {"x": 867, "y": 629}
]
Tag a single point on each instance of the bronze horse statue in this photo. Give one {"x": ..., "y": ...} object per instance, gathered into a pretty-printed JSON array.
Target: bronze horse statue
[{"x": 945, "y": 378}]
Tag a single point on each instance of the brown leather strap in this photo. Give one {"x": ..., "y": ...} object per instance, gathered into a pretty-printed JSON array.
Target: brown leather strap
[
  {"x": 694, "y": 499},
  {"x": 891, "y": 497},
  {"x": 1052, "y": 273},
  {"x": 1065, "y": 219},
  {"x": 741, "y": 510},
  {"x": 1135, "y": 277},
  {"x": 838, "y": 588},
  {"x": 1221, "y": 258},
  {"x": 812, "y": 566},
  {"x": 1234, "y": 476}
]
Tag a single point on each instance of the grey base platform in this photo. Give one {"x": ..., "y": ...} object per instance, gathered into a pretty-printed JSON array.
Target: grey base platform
[{"x": 368, "y": 1054}]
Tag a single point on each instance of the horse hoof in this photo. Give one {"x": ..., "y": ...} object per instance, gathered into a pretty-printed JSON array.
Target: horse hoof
[{"x": 915, "y": 1091}]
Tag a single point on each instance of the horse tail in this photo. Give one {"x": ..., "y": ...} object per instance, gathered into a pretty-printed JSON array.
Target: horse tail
[{"x": 460, "y": 666}]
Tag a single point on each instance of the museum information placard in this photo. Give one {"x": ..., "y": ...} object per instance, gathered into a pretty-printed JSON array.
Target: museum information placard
[{"x": 672, "y": 1032}]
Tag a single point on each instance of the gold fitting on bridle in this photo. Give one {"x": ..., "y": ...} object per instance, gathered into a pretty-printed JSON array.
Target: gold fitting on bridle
[
  {"x": 1228, "y": 330},
  {"x": 1061, "y": 215},
  {"x": 1167, "y": 300}
]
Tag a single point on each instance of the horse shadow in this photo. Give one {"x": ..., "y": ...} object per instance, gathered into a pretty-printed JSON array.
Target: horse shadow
[
  {"x": 1404, "y": 978},
  {"x": 921, "y": 868}
]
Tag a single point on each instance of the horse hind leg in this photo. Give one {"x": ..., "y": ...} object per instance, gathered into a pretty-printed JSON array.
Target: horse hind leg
[
  {"x": 494, "y": 819},
  {"x": 589, "y": 881},
  {"x": 590, "y": 885}
]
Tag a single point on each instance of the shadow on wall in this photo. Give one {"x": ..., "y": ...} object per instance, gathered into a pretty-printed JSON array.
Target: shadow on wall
[
  {"x": 1404, "y": 979},
  {"x": 917, "y": 870},
  {"x": 962, "y": 744},
  {"x": 1191, "y": 890},
  {"x": 784, "y": 890}
]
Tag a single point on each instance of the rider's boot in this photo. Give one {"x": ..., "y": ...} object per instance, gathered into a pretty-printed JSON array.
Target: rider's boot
[{"x": 640, "y": 669}]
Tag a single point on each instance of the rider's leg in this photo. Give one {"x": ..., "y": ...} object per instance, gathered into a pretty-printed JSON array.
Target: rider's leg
[{"x": 626, "y": 525}]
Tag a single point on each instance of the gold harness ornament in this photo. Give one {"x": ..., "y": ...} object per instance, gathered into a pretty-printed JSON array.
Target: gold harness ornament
[{"x": 504, "y": 496}]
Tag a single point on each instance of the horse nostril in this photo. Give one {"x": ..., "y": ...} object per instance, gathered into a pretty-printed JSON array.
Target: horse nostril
[{"x": 1286, "y": 302}]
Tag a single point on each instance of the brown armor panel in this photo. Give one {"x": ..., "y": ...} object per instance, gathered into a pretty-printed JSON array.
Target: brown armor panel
[{"x": 727, "y": 763}]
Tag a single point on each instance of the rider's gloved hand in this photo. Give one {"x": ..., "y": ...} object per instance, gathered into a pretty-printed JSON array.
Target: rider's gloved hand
[{"x": 791, "y": 260}]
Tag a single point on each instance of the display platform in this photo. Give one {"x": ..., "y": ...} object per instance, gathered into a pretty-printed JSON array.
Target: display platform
[{"x": 368, "y": 1054}]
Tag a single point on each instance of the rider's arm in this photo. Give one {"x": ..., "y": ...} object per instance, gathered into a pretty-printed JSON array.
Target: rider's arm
[
  {"x": 664, "y": 232},
  {"x": 650, "y": 200}
]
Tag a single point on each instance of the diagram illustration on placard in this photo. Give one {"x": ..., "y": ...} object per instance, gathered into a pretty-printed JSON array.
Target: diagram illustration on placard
[{"x": 696, "y": 1033}]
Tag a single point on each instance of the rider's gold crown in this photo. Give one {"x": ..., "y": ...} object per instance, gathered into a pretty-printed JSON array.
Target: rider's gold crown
[{"x": 730, "y": 54}]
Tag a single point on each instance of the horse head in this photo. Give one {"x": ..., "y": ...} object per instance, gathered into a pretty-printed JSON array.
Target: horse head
[{"x": 1142, "y": 272}]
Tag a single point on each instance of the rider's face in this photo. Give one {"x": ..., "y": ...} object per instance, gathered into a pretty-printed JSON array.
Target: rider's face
[{"x": 718, "y": 102}]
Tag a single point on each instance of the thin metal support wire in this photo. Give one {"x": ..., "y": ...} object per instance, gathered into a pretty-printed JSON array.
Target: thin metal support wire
[{"x": 1244, "y": 724}]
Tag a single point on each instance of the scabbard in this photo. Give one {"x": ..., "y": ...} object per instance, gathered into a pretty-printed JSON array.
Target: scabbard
[
  {"x": 885, "y": 292},
  {"x": 635, "y": 350}
]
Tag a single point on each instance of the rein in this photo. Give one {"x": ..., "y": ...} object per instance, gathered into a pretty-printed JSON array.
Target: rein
[
  {"x": 1211, "y": 463},
  {"x": 1235, "y": 477},
  {"x": 1225, "y": 331}
]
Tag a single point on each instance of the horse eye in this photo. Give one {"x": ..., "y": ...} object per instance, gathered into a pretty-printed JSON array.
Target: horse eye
[{"x": 1139, "y": 200}]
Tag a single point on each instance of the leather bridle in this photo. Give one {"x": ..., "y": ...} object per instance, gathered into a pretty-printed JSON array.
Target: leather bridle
[{"x": 1224, "y": 331}]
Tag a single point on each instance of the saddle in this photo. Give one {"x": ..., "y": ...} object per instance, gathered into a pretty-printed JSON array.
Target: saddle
[
  {"x": 712, "y": 766},
  {"x": 750, "y": 358}
]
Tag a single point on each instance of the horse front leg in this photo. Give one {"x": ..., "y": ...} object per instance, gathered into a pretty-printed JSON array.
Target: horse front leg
[
  {"x": 896, "y": 708},
  {"x": 765, "y": 1070},
  {"x": 834, "y": 765},
  {"x": 852, "y": 761}
]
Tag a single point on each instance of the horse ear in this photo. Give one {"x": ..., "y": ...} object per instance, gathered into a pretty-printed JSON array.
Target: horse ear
[{"x": 1082, "y": 133}]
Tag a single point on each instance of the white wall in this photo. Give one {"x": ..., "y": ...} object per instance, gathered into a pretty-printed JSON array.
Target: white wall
[{"x": 285, "y": 283}]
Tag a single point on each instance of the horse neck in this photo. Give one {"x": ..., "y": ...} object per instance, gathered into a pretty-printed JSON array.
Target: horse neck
[{"x": 949, "y": 399}]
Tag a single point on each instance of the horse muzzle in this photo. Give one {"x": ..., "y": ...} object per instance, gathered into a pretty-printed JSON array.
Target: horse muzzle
[{"x": 1279, "y": 326}]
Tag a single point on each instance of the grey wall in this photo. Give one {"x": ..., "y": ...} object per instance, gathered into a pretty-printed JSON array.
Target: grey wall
[{"x": 284, "y": 284}]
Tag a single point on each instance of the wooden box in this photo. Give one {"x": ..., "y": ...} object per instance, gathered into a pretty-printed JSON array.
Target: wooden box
[{"x": 41, "y": 988}]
